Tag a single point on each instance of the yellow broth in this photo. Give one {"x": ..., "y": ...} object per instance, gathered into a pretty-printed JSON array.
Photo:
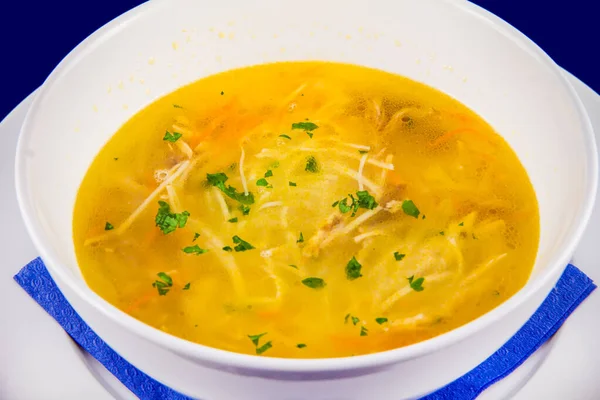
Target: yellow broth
[{"x": 380, "y": 212}]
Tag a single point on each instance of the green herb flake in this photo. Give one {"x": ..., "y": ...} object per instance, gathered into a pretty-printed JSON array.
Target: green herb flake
[
  {"x": 172, "y": 137},
  {"x": 187, "y": 286},
  {"x": 363, "y": 151},
  {"x": 353, "y": 269},
  {"x": 300, "y": 345},
  {"x": 108, "y": 227},
  {"x": 285, "y": 137},
  {"x": 256, "y": 338},
  {"x": 227, "y": 248},
  {"x": 168, "y": 221},
  {"x": 222, "y": 93},
  {"x": 461, "y": 224},
  {"x": 355, "y": 320},
  {"x": 294, "y": 266},
  {"x": 275, "y": 164},
  {"x": 307, "y": 127},
  {"x": 245, "y": 210},
  {"x": 363, "y": 199},
  {"x": 311, "y": 165},
  {"x": 293, "y": 183},
  {"x": 218, "y": 180},
  {"x": 300, "y": 238},
  {"x": 335, "y": 204},
  {"x": 163, "y": 284},
  {"x": 409, "y": 208},
  {"x": 263, "y": 348},
  {"x": 442, "y": 233},
  {"x": 381, "y": 320},
  {"x": 196, "y": 236},
  {"x": 242, "y": 245},
  {"x": 268, "y": 174},
  {"x": 262, "y": 182},
  {"x": 364, "y": 331},
  {"x": 195, "y": 249},
  {"x": 346, "y": 318},
  {"x": 474, "y": 237},
  {"x": 399, "y": 256},
  {"x": 416, "y": 284},
  {"x": 233, "y": 220},
  {"x": 314, "y": 283},
  {"x": 116, "y": 158},
  {"x": 177, "y": 106}
]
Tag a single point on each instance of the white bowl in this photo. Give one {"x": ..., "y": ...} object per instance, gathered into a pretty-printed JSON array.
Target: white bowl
[{"x": 163, "y": 44}]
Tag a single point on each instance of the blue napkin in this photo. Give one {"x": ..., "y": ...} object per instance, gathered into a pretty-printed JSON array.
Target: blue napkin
[{"x": 572, "y": 288}]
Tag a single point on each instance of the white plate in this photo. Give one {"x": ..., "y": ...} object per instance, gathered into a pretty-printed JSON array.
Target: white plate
[{"x": 39, "y": 361}]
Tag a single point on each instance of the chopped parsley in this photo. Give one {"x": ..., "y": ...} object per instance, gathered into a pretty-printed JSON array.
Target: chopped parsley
[
  {"x": 292, "y": 183},
  {"x": 363, "y": 331},
  {"x": 218, "y": 180},
  {"x": 262, "y": 182},
  {"x": 222, "y": 93},
  {"x": 300, "y": 345},
  {"x": 256, "y": 338},
  {"x": 268, "y": 174},
  {"x": 300, "y": 238},
  {"x": 177, "y": 106},
  {"x": 233, "y": 220},
  {"x": 196, "y": 236},
  {"x": 227, "y": 248},
  {"x": 314, "y": 283},
  {"x": 245, "y": 209},
  {"x": 168, "y": 221},
  {"x": 311, "y": 165},
  {"x": 442, "y": 233},
  {"x": 307, "y": 127},
  {"x": 399, "y": 256},
  {"x": 355, "y": 320},
  {"x": 263, "y": 348},
  {"x": 116, "y": 158},
  {"x": 346, "y": 318},
  {"x": 294, "y": 266},
  {"x": 108, "y": 227},
  {"x": 409, "y": 208},
  {"x": 163, "y": 284},
  {"x": 172, "y": 137},
  {"x": 362, "y": 200},
  {"x": 474, "y": 237},
  {"x": 353, "y": 269},
  {"x": 275, "y": 164},
  {"x": 187, "y": 286},
  {"x": 416, "y": 284},
  {"x": 461, "y": 224},
  {"x": 381, "y": 320},
  {"x": 242, "y": 245},
  {"x": 285, "y": 137},
  {"x": 363, "y": 151},
  {"x": 195, "y": 249}
]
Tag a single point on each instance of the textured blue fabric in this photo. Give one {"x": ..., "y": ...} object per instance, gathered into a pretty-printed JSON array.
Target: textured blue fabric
[{"x": 572, "y": 288}]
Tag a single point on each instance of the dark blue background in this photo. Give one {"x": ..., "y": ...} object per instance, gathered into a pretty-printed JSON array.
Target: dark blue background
[{"x": 36, "y": 35}]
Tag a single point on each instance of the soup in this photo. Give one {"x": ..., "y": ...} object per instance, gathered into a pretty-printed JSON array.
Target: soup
[{"x": 306, "y": 210}]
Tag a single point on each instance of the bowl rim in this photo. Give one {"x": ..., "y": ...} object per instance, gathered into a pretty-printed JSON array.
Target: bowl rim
[{"x": 230, "y": 359}]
